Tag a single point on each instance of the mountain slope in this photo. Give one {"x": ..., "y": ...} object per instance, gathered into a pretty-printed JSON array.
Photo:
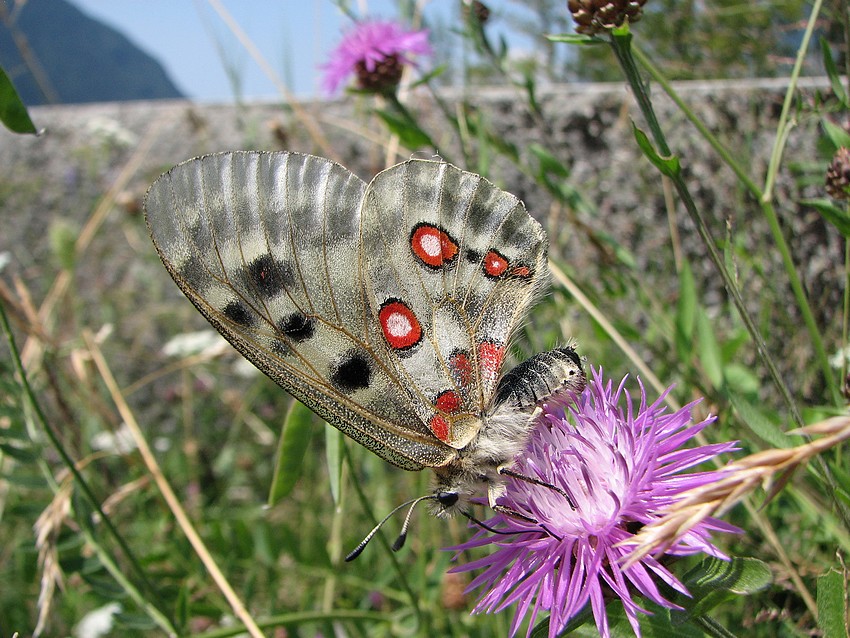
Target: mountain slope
[{"x": 80, "y": 59}]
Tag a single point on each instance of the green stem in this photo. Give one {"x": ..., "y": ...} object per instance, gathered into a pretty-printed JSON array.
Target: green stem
[
  {"x": 409, "y": 120},
  {"x": 711, "y": 627},
  {"x": 718, "y": 147},
  {"x": 422, "y": 619},
  {"x": 120, "y": 577},
  {"x": 846, "y": 321},
  {"x": 764, "y": 196},
  {"x": 301, "y": 617},
  {"x": 621, "y": 44},
  {"x": 158, "y": 617}
]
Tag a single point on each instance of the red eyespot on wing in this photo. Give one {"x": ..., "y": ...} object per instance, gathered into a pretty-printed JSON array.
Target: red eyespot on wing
[
  {"x": 490, "y": 356},
  {"x": 448, "y": 401},
  {"x": 440, "y": 427},
  {"x": 400, "y": 326},
  {"x": 434, "y": 247},
  {"x": 461, "y": 368},
  {"x": 494, "y": 264}
]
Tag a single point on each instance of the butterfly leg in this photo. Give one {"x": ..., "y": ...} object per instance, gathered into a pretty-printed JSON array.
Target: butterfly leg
[{"x": 505, "y": 471}]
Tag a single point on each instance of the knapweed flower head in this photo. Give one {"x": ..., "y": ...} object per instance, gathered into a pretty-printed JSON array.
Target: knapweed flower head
[
  {"x": 607, "y": 468},
  {"x": 375, "y": 52},
  {"x": 599, "y": 16}
]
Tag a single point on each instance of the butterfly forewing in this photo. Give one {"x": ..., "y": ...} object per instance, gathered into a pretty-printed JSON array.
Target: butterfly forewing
[{"x": 268, "y": 246}]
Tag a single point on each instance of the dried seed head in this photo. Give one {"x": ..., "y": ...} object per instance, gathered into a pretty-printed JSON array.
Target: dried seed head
[
  {"x": 597, "y": 16},
  {"x": 838, "y": 175}
]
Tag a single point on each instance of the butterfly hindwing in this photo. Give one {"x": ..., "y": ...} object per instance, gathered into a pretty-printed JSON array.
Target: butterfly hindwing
[
  {"x": 268, "y": 247},
  {"x": 451, "y": 265}
]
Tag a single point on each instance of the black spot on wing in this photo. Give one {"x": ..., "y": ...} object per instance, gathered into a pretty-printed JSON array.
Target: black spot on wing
[
  {"x": 473, "y": 256},
  {"x": 238, "y": 312},
  {"x": 351, "y": 372},
  {"x": 269, "y": 276},
  {"x": 297, "y": 326}
]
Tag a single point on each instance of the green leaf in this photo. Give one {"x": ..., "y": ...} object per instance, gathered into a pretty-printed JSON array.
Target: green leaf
[
  {"x": 409, "y": 134},
  {"x": 19, "y": 454},
  {"x": 837, "y": 135},
  {"x": 714, "y": 581},
  {"x": 181, "y": 607},
  {"x": 832, "y": 609},
  {"x": 63, "y": 243},
  {"x": 832, "y": 71},
  {"x": 549, "y": 164},
  {"x": 740, "y": 376},
  {"x": 708, "y": 351},
  {"x": 838, "y": 217},
  {"x": 333, "y": 453},
  {"x": 668, "y": 166},
  {"x": 138, "y": 622},
  {"x": 758, "y": 422},
  {"x": 541, "y": 629},
  {"x": 297, "y": 431},
  {"x": 434, "y": 73},
  {"x": 686, "y": 313},
  {"x": 13, "y": 112},
  {"x": 575, "y": 38},
  {"x": 622, "y": 32}
]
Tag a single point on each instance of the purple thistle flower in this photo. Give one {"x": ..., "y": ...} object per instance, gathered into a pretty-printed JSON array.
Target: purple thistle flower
[
  {"x": 376, "y": 53},
  {"x": 618, "y": 467}
]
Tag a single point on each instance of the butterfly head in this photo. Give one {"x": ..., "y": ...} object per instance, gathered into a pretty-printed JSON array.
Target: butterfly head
[{"x": 459, "y": 485}]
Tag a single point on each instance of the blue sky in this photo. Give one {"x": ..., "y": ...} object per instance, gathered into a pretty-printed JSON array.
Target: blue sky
[{"x": 294, "y": 36}]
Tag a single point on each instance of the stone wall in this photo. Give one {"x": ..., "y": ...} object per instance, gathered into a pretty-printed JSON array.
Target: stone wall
[{"x": 617, "y": 213}]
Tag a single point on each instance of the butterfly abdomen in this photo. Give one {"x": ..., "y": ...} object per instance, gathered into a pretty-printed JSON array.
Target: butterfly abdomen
[{"x": 538, "y": 378}]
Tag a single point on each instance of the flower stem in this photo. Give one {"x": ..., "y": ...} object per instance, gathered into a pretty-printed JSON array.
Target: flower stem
[
  {"x": 422, "y": 619},
  {"x": 764, "y": 195},
  {"x": 712, "y": 628},
  {"x": 621, "y": 45},
  {"x": 846, "y": 320}
]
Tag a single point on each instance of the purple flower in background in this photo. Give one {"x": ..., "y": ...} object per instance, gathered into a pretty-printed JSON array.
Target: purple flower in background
[
  {"x": 609, "y": 470},
  {"x": 375, "y": 52}
]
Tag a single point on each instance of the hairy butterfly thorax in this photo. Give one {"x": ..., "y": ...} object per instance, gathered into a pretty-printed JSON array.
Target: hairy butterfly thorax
[
  {"x": 505, "y": 426},
  {"x": 386, "y": 308}
]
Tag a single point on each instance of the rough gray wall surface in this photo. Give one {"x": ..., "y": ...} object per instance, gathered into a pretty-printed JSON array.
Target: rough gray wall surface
[{"x": 617, "y": 196}]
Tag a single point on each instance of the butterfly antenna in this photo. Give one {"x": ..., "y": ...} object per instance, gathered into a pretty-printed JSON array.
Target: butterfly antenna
[
  {"x": 359, "y": 549},
  {"x": 399, "y": 542}
]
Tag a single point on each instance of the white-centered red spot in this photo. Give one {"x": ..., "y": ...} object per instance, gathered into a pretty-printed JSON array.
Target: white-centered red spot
[
  {"x": 434, "y": 247},
  {"x": 495, "y": 264},
  {"x": 440, "y": 427},
  {"x": 490, "y": 356},
  {"x": 400, "y": 326},
  {"x": 448, "y": 401}
]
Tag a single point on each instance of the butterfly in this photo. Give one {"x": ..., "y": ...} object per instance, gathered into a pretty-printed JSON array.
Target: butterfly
[{"x": 385, "y": 307}]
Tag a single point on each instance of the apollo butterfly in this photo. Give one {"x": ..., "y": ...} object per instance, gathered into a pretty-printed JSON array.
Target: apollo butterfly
[{"x": 386, "y": 308}]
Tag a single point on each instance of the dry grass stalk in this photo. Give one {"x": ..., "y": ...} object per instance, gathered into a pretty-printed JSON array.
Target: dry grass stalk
[
  {"x": 47, "y": 529},
  {"x": 770, "y": 468},
  {"x": 238, "y": 607}
]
